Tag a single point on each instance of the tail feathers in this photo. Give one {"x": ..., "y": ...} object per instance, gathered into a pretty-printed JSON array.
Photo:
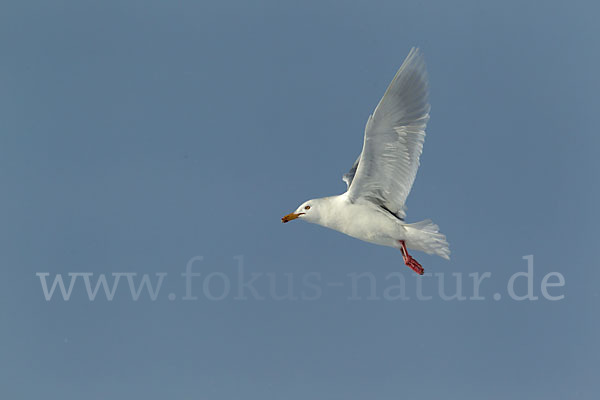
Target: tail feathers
[{"x": 425, "y": 236}]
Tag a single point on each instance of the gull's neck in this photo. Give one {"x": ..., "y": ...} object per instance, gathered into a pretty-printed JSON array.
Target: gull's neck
[{"x": 330, "y": 211}]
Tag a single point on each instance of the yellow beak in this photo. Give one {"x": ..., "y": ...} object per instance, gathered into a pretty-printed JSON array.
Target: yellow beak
[{"x": 290, "y": 217}]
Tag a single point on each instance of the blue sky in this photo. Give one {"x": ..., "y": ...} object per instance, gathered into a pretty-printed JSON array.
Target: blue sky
[{"x": 137, "y": 135}]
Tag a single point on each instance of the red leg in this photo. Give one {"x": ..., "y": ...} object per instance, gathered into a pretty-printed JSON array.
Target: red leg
[{"x": 409, "y": 261}]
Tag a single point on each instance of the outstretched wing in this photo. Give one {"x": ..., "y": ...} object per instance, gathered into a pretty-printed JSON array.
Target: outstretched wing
[{"x": 394, "y": 135}]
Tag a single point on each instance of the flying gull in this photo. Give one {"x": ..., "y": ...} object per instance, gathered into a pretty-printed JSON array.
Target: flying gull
[{"x": 372, "y": 209}]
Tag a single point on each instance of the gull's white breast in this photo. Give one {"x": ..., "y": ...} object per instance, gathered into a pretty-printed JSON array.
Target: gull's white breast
[{"x": 363, "y": 221}]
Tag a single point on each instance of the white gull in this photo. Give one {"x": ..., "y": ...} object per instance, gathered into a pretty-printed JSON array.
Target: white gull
[{"x": 372, "y": 209}]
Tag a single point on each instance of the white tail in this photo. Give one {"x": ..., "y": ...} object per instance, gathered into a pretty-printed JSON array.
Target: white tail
[{"x": 425, "y": 236}]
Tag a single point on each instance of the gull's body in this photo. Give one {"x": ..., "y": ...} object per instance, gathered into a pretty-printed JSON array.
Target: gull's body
[{"x": 372, "y": 209}]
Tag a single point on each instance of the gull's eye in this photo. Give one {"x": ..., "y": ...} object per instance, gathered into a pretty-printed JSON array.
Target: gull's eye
[{"x": 307, "y": 208}]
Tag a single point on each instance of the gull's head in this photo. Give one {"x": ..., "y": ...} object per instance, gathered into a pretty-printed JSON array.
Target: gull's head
[{"x": 308, "y": 211}]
